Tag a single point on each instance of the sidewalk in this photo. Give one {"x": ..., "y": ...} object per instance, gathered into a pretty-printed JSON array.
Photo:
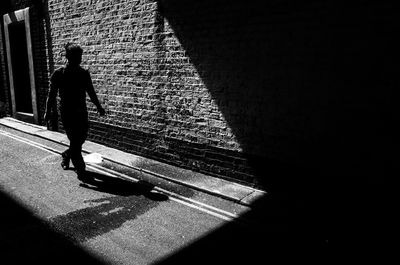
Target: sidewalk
[{"x": 218, "y": 187}]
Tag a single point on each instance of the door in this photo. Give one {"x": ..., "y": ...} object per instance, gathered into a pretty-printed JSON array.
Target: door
[{"x": 20, "y": 65}]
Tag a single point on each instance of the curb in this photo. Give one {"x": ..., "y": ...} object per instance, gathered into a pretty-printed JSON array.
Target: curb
[{"x": 232, "y": 191}]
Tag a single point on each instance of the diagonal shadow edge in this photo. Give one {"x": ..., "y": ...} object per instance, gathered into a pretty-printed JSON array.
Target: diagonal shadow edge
[
  {"x": 316, "y": 67},
  {"x": 26, "y": 238}
]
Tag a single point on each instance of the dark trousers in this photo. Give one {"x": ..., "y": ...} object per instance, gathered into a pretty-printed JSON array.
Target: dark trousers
[{"x": 76, "y": 126}]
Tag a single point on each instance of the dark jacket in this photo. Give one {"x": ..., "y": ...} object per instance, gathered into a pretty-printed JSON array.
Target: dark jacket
[{"x": 72, "y": 83}]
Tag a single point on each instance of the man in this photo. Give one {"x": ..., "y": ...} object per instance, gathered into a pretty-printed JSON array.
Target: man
[{"x": 72, "y": 82}]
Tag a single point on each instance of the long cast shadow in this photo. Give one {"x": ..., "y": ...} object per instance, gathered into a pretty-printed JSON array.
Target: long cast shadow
[
  {"x": 308, "y": 89},
  {"x": 128, "y": 200},
  {"x": 26, "y": 239},
  {"x": 121, "y": 187},
  {"x": 304, "y": 86}
]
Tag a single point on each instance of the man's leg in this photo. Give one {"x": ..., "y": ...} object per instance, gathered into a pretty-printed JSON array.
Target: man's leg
[
  {"x": 76, "y": 142},
  {"x": 75, "y": 148},
  {"x": 76, "y": 128},
  {"x": 66, "y": 157}
]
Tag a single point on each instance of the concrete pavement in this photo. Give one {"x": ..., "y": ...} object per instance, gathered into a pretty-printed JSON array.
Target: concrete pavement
[{"x": 217, "y": 187}]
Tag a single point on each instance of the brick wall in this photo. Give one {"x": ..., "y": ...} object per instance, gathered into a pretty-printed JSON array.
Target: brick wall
[
  {"x": 157, "y": 103},
  {"x": 3, "y": 80},
  {"x": 42, "y": 58},
  {"x": 267, "y": 92},
  {"x": 232, "y": 89}
]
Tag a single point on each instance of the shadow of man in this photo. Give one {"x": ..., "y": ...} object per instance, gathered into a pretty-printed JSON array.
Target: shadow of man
[
  {"x": 128, "y": 201},
  {"x": 120, "y": 187}
]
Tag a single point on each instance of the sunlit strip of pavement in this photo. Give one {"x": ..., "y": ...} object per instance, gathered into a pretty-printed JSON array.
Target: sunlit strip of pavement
[
  {"x": 219, "y": 187},
  {"x": 173, "y": 196},
  {"x": 216, "y": 212}
]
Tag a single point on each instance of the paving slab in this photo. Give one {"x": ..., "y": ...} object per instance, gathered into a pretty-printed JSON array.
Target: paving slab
[
  {"x": 54, "y": 136},
  {"x": 121, "y": 157},
  {"x": 92, "y": 147},
  {"x": 20, "y": 126},
  {"x": 252, "y": 197}
]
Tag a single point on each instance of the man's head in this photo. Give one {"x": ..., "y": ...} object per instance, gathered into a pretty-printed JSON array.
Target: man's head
[{"x": 73, "y": 53}]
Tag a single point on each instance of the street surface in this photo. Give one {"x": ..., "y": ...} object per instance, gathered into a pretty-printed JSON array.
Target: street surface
[{"x": 48, "y": 215}]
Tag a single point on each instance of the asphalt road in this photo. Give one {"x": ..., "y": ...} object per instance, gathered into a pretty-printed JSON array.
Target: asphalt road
[{"x": 49, "y": 216}]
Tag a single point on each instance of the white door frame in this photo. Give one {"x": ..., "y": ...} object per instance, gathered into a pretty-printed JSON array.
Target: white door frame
[{"x": 21, "y": 16}]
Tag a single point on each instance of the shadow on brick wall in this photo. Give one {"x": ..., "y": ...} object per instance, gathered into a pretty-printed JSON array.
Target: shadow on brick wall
[
  {"x": 306, "y": 84},
  {"x": 308, "y": 90}
]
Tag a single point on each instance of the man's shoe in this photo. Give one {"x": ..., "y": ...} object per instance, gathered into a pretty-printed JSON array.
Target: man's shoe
[{"x": 65, "y": 161}]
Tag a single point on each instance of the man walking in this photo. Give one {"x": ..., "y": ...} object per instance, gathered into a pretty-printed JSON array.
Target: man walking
[{"x": 72, "y": 82}]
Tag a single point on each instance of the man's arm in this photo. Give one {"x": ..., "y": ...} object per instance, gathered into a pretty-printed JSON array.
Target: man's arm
[{"x": 93, "y": 96}]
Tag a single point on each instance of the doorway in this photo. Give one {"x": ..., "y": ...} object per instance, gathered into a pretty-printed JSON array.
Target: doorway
[{"x": 20, "y": 65}]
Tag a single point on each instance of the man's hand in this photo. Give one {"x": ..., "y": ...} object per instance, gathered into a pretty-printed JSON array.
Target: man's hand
[{"x": 101, "y": 111}]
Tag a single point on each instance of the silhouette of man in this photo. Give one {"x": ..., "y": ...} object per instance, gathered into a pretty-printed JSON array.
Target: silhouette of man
[{"x": 72, "y": 82}]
